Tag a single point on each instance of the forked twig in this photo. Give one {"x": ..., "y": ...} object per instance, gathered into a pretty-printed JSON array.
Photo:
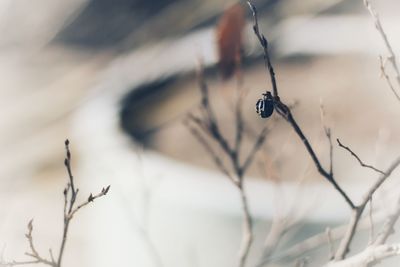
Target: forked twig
[
  {"x": 378, "y": 25},
  {"x": 282, "y": 109},
  {"x": 70, "y": 209},
  {"x": 206, "y": 129}
]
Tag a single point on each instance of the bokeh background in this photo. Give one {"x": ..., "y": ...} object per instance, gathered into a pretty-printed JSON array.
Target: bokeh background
[{"x": 118, "y": 77}]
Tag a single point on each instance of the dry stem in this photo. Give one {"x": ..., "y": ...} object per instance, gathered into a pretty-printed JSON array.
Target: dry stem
[
  {"x": 207, "y": 130},
  {"x": 285, "y": 112},
  {"x": 70, "y": 209}
]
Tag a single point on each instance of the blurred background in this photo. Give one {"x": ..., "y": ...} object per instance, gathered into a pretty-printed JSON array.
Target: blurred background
[{"x": 118, "y": 77}]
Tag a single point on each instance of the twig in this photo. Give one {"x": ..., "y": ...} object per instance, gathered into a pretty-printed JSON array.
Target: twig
[
  {"x": 286, "y": 113},
  {"x": 357, "y": 212},
  {"x": 387, "y": 78},
  {"x": 91, "y": 198},
  {"x": 328, "y": 134},
  {"x": 311, "y": 243},
  {"x": 388, "y": 226},
  {"x": 378, "y": 25},
  {"x": 70, "y": 193},
  {"x": 247, "y": 236},
  {"x": 330, "y": 243},
  {"x": 256, "y": 146},
  {"x": 369, "y": 257},
  {"x": 70, "y": 203},
  {"x": 207, "y": 127},
  {"x": 283, "y": 110},
  {"x": 264, "y": 44},
  {"x": 371, "y": 222},
  {"x": 217, "y": 160},
  {"x": 358, "y": 158},
  {"x": 33, "y": 253}
]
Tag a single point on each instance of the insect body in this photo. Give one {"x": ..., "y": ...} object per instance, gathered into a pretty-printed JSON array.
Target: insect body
[{"x": 265, "y": 106}]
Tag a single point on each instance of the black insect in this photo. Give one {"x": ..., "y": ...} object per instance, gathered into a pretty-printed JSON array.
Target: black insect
[{"x": 265, "y": 106}]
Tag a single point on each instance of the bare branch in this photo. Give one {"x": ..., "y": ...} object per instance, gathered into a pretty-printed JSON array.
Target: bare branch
[
  {"x": 285, "y": 112},
  {"x": 90, "y": 199},
  {"x": 328, "y": 134},
  {"x": 207, "y": 125},
  {"x": 380, "y": 181},
  {"x": 378, "y": 25},
  {"x": 70, "y": 193},
  {"x": 370, "y": 256},
  {"x": 388, "y": 226},
  {"x": 217, "y": 160},
  {"x": 33, "y": 252},
  {"x": 256, "y": 146},
  {"x": 387, "y": 78},
  {"x": 264, "y": 44},
  {"x": 330, "y": 242},
  {"x": 247, "y": 238},
  {"x": 357, "y": 212},
  {"x": 371, "y": 222},
  {"x": 70, "y": 203},
  {"x": 358, "y": 158}
]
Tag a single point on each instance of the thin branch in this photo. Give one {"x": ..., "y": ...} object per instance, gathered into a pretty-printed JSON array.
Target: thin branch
[
  {"x": 90, "y": 199},
  {"x": 68, "y": 215},
  {"x": 208, "y": 126},
  {"x": 283, "y": 110},
  {"x": 256, "y": 146},
  {"x": 344, "y": 246},
  {"x": 312, "y": 243},
  {"x": 264, "y": 44},
  {"x": 67, "y": 163},
  {"x": 239, "y": 122},
  {"x": 387, "y": 78},
  {"x": 371, "y": 222},
  {"x": 328, "y": 135},
  {"x": 388, "y": 226},
  {"x": 69, "y": 210},
  {"x": 210, "y": 119},
  {"x": 247, "y": 238},
  {"x": 378, "y": 25},
  {"x": 380, "y": 181},
  {"x": 358, "y": 158},
  {"x": 217, "y": 160},
  {"x": 370, "y": 256},
  {"x": 330, "y": 242},
  {"x": 286, "y": 113},
  {"x": 33, "y": 252}
]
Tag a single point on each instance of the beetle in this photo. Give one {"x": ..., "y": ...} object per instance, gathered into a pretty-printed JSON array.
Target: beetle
[{"x": 265, "y": 105}]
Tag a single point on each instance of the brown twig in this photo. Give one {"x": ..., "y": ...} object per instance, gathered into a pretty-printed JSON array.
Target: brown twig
[
  {"x": 264, "y": 44},
  {"x": 206, "y": 129},
  {"x": 286, "y": 113},
  {"x": 358, "y": 158},
  {"x": 282, "y": 109},
  {"x": 217, "y": 160},
  {"x": 70, "y": 209}
]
